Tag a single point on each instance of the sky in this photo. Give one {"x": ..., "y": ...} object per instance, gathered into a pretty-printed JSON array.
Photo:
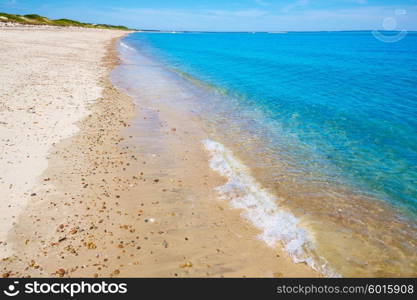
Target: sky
[{"x": 229, "y": 15}]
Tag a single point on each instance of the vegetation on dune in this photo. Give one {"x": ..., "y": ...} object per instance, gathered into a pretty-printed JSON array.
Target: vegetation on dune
[
  {"x": 121, "y": 27},
  {"x": 33, "y": 19},
  {"x": 11, "y": 18},
  {"x": 37, "y": 18},
  {"x": 67, "y": 22}
]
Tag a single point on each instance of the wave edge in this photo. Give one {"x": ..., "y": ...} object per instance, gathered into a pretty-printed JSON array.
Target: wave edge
[{"x": 260, "y": 207}]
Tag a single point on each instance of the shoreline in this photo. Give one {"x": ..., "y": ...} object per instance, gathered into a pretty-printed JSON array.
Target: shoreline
[
  {"x": 131, "y": 194},
  {"x": 338, "y": 225}
]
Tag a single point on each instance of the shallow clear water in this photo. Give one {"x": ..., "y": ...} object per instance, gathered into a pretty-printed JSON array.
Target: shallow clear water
[{"x": 325, "y": 121}]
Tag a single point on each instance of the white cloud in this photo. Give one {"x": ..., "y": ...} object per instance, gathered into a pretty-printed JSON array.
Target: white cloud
[
  {"x": 358, "y": 1},
  {"x": 252, "y": 13},
  {"x": 358, "y": 18},
  {"x": 294, "y": 5}
]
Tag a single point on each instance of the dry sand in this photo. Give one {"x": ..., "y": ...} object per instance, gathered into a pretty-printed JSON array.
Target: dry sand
[
  {"x": 42, "y": 71},
  {"x": 94, "y": 186}
]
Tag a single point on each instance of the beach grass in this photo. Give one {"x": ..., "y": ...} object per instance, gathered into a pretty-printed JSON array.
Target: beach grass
[{"x": 34, "y": 19}]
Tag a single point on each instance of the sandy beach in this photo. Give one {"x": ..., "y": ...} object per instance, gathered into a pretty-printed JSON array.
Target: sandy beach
[{"x": 96, "y": 185}]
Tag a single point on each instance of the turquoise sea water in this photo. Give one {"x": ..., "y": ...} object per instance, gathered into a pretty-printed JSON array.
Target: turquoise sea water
[
  {"x": 340, "y": 107},
  {"x": 346, "y": 95}
]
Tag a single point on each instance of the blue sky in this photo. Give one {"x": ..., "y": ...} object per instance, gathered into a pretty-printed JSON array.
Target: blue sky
[{"x": 228, "y": 15}]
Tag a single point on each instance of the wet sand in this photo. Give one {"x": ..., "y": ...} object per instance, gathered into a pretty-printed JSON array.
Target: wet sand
[{"x": 131, "y": 194}]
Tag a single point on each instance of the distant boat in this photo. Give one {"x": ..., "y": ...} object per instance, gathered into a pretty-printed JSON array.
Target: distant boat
[{"x": 277, "y": 32}]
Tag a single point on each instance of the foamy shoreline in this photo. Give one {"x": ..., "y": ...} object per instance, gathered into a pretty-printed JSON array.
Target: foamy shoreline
[{"x": 108, "y": 195}]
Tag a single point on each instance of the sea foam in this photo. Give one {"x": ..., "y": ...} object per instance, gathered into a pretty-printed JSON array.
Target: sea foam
[
  {"x": 260, "y": 207},
  {"x": 126, "y": 46}
]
